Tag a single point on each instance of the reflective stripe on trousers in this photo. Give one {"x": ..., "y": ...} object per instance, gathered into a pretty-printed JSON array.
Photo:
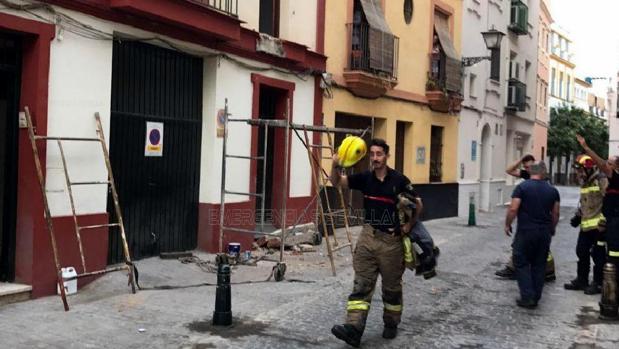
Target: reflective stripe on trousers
[{"x": 358, "y": 305}]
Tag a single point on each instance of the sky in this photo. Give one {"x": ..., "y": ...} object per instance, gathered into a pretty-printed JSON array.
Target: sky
[{"x": 594, "y": 29}]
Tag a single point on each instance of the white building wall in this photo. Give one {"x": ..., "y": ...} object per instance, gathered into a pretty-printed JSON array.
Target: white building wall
[
  {"x": 234, "y": 83},
  {"x": 519, "y": 136},
  {"x": 249, "y": 13},
  {"x": 483, "y": 106},
  {"x": 297, "y": 20},
  {"x": 80, "y": 85}
]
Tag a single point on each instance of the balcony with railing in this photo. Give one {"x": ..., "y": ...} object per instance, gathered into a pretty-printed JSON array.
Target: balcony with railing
[
  {"x": 229, "y": 7},
  {"x": 372, "y": 61},
  {"x": 216, "y": 19},
  {"x": 516, "y": 95},
  {"x": 519, "y": 18}
]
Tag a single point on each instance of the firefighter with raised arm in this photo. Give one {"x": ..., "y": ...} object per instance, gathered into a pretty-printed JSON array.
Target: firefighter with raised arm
[
  {"x": 379, "y": 249},
  {"x": 610, "y": 209},
  {"x": 591, "y": 243}
]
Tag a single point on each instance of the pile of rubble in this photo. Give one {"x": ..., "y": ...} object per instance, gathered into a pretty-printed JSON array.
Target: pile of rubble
[{"x": 299, "y": 239}]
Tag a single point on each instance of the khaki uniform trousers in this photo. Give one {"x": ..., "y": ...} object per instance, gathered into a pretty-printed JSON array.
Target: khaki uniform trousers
[{"x": 376, "y": 253}]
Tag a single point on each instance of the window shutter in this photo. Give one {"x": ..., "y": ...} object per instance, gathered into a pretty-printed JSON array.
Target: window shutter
[
  {"x": 453, "y": 65},
  {"x": 495, "y": 65},
  {"x": 522, "y": 103},
  {"x": 381, "y": 39}
]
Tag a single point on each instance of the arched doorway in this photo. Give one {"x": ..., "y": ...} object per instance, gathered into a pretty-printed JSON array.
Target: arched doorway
[{"x": 485, "y": 155}]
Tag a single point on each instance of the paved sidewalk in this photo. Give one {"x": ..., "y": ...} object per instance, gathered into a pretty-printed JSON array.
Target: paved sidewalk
[{"x": 465, "y": 306}]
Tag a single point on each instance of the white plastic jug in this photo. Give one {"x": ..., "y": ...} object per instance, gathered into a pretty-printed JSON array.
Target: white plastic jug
[{"x": 70, "y": 287}]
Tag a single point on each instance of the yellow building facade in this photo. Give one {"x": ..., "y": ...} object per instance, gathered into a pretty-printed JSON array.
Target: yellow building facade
[{"x": 412, "y": 102}]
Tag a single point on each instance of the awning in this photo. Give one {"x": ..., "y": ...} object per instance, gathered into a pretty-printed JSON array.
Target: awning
[
  {"x": 375, "y": 16},
  {"x": 381, "y": 39},
  {"x": 453, "y": 66}
]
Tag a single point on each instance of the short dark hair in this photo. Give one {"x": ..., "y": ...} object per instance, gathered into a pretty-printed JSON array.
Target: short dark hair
[
  {"x": 538, "y": 168},
  {"x": 528, "y": 158},
  {"x": 379, "y": 142}
]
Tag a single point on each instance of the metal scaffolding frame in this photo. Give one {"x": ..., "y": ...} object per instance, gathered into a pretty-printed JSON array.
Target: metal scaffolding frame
[{"x": 317, "y": 172}]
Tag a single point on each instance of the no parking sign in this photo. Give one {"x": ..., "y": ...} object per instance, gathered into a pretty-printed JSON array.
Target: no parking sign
[{"x": 154, "y": 139}]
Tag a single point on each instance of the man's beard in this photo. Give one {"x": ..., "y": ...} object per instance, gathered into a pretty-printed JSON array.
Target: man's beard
[{"x": 377, "y": 164}]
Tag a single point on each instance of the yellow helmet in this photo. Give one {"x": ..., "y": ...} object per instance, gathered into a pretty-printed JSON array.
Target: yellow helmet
[
  {"x": 351, "y": 150},
  {"x": 584, "y": 161}
]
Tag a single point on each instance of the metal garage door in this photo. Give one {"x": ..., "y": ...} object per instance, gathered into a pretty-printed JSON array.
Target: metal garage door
[{"x": 158, "y": 194}]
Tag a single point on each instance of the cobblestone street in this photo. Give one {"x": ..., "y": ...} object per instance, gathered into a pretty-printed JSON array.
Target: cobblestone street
[{"x": 465, "y": 306}]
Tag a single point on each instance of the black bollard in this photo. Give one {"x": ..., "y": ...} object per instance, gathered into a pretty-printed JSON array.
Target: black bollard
[
  {"x": 608, "y": 304},
  {"x": 222, "y": 316}
]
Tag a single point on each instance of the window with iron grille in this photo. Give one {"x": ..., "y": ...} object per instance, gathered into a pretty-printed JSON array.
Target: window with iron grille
[
  {"x": 445, "y": 62},
  {"x": 516, "y": 95},
  {"x": 436, "y": 154},
  {"x": 374, "y": 48}
]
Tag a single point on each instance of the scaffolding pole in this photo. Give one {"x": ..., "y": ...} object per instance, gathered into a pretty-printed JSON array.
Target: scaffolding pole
[{"x": 315, "y": 164}]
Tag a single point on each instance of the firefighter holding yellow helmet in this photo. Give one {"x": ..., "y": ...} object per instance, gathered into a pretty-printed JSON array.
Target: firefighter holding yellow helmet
[
  {"x": 591, "y": 243},
  {"x": 379, "y": 249}
]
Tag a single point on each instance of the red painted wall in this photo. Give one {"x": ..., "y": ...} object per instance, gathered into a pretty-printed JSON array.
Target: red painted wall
[
  {"x": 34, "y": 90},
  {"x": 94, "y": 242},
  {"x": 34, "y": 264}
]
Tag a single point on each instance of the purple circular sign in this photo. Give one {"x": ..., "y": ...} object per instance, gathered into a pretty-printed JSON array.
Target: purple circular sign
[{"x": 154, "y": 137}]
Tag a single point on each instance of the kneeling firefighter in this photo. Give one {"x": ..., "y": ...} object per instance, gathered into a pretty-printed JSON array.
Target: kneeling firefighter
[
  {"x": 420, "y": 253},
  {"x": 591, "y": 242}
]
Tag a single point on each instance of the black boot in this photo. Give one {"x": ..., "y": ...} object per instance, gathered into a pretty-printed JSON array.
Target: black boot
[
  {"x": 594, "y": 288},
  {"x": 506, "y": 273},
  {"x": 348, "y": 333},
  {"x": 390, "y": 332},
  {"x": 576, "y": 285}
]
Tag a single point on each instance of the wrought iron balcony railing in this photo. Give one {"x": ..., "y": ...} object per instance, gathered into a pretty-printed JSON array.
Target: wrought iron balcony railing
[
  {"x": 363, "y": 39},
  {"x": 516, "y": 95},
  {"x": 519, "y": 18},
  {"x": 229, "y": 7}
]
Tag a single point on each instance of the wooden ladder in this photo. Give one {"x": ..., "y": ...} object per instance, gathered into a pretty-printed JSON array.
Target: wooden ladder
[{"x": 129, "y": 267}]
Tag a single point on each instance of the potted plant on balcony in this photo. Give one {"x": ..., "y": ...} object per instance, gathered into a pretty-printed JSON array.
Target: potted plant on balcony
[
  {"x": 440, "y": 99},
  {"x": 437, "y": 96}
]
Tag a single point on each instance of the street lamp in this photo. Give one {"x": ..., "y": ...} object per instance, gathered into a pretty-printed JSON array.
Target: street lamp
[{"x": 492, "y": 38}]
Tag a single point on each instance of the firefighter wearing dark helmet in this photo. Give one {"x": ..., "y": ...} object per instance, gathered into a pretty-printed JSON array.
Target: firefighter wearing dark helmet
[{"x": 591, "y": 243}]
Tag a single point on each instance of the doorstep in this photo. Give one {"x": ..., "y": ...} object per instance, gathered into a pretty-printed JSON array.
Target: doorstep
[{"x": 12, "y": 293}]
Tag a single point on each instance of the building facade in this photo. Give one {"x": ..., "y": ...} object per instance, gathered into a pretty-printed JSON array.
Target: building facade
[
  {"x": 582, "y": 89},
  {"x": 398, "y": 73},
  {"x": 521, "y": 106},
  {"x": 499, "y": 114},
  {"x": 173, "y": 63},
  {"x": 542, "y": 115},
  {"x": 561, "y": 68}
]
